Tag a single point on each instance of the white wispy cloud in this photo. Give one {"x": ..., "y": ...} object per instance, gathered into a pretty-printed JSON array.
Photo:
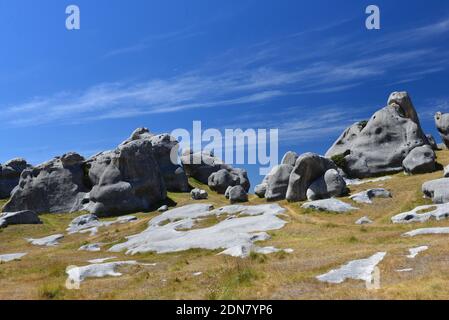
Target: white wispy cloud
[{"x": 255, "y": 75}]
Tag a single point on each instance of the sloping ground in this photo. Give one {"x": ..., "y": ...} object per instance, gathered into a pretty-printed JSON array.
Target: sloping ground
[{"x": 321, "y": 242}]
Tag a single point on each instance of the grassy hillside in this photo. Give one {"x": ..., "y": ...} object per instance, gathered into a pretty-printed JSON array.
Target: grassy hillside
[{"x": 321, "y": 241}]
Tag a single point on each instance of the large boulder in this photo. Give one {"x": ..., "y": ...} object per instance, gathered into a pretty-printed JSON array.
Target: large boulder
[
  {"x": 58, "y": 185},
  {"x": 277, "y": 182},
  {"x": 165, "y": 150},
  {"x": 221, "y": 180},
  {"x": 437, "y": 190},
  {"x": 10, "y": 175},
  {"x": 21, "y": 217},
  {"x": 236, "y": 194},
  {"x": 442, "y": 124},
  {"x": 420, "y": 160},
  {"x": 380, "y": 145},
  {"x": 331, "y": 184},
  {"x": 127, "y": 179},
  {"x": 200, "y": 165},
  {"x": 308, "y": 168}
]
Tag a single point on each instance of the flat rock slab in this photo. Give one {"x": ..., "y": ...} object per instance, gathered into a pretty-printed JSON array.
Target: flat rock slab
[
  {"x": 244, "y": 226},
  {"x": 415, "y": 251},
  {"x": 368, "y": 195},
  {"x": 331, "y": 205},
  {"x": 364, "y": 220},
  {"x": 358, "y": 270},
  {"x": 49, "y": 241},
  {"x": 357, "y": 182},
  {"x": 427, "y": 231},
  {"x": 94, "y": 247},
  {"x": 79, "y": 274},
  {"x": 11, "y": 257},
  {"x": 90, "y": 223},
  {"x": 423, "y": 214},
  {"x": 101, "y": 260}
]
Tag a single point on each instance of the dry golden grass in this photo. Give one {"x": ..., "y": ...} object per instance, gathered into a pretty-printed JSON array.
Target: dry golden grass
[{"x": 321, "y": 241}]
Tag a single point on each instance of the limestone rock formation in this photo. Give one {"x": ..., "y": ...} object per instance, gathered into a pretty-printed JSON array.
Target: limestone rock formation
[
  {"x": 198, "y": 194},
  {"x": 420, "y": 160},
  {"x": 201, "y": 165},
  {"x": 331, "y": 205},
  {"x": 442, "y": 124},
  {"x": 437, "y": 190},
  {"x": 307, "y": 169},
  {"x": 330, "y": 185},
  {"x": 236, "y": 194},
  {"x": 21, "y": 217},
  {"x": 221, "y": 180},
  {"x": 10, "y": 175},
  {"x": 432, "y": 142},
  {"x": 380, "y": 145},
  {"x": 58, "y": 185}
]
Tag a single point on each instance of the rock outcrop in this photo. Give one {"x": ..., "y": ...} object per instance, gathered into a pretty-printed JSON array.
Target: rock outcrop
[
  {"x": 201, "y": 165},
  {"x": 307, "y": 169},
  {"x": 236, "y": 194},
  {"x": 437, "y": 190},
  {"x": 165, "y": 150},
  {"x": 380, "y": 145},
  {"x": 442, "y": 124},
  {"x": 330, "y": 185},
  {"x": 10, "y": 175},
  {"x": 221, "y": 180},
  {"x": 330, "y": 205},
  {"x": 58, "y": 185},
  {"x": 420, "y": 160}
]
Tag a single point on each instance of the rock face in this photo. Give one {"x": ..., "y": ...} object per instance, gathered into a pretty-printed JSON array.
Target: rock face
[
  {"x": 198, "y": 194},
  {"x": 307, "y": 169},
  {"x": 277, "y": 182},
  {"x": 442, "y": 124},
  {"x": 432, "y": 142},
  {"x": 21, "y": 217},
  {"x": 201, "y": 165},
  {"x": 380, "y": 145},
  {"x": 437, "y": 190},
  {"x": 165, "y": 150},
  {"x": 10, "y": 175},
  {"x": 420, "y": 160},
  {"x": 221, "y": 180},
  {"x": 125, "y": 180},
  {"x": 58, "y": 185},
  {"x": 330, "y": 185}
]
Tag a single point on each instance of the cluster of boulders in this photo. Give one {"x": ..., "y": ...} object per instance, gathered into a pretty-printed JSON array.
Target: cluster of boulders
[
  {"x": 134, "y": 177},
  {"x": 298, "y": 178}
]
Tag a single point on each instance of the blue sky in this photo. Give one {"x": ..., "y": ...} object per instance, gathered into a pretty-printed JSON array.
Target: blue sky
[{"x": 309, "y": 68}]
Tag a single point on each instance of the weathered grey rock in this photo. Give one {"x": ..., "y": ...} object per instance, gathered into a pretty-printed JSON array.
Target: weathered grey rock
[
  {"x": 95, "y": 247},
  {"x": 420, "y": 160},
  {"x": 290, "y": 158},
  {"x": 199, "y": 194},
  {"x": 308, "y": 168},
  {"x": 201, "y": 165},
  {"x": 237, "y": 194},
  {"x": 413, "y": 252},
  {"x": 125, "y": 180},
  {"x": 330, "y": 185},
  {"x": 10, "y": 175},
  {"x": 380, "y": 145},
  {"x": 79, "y": 274},
  {"x": 357, "y": 182},
  {"x": 176, "y": 235},
  {"x": 277, "y": 182},
  {"x": 331, "y": 205},
  {"x": 58, "y": 185},
  {"x": 437, "y": 190},
  {"x": 101, "y": 260},
  {"x": 163, "y": 208},
  {"x": 442, "y": 124},
  {"x": 49, "y": 241},
  {"x": 260, "y": 190},
  {"x": 11, "y": 257},
  {"x": 432, "y": 142},
  {"x": 220, "y": 181},
  {"x": 426, "y": 231},
  {"x": 358, "y": 270},
  {"x": 423, "y": 214},
  {"x": 83, "y": 222},
  {"x": 368, "y": 195},
  {"x": 20, "y": 217},
  {"x": 364, "y": 220}
]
